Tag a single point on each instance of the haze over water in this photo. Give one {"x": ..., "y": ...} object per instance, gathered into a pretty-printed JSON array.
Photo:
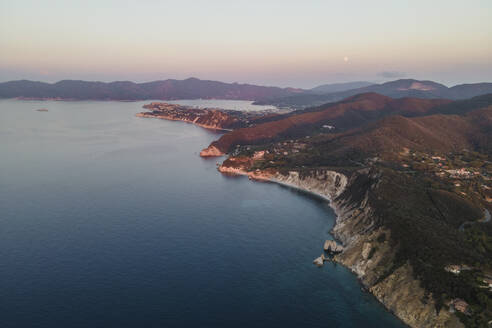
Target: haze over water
[{"x": 108, "y": 220}]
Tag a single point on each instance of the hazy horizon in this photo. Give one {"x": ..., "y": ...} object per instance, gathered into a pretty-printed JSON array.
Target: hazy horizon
[
  {"x": 239, "y": 82},
  {"x": 279, "y": 43}
]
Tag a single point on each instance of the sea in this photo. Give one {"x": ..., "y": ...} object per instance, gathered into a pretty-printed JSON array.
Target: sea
[{"x": 110, "y": 220}]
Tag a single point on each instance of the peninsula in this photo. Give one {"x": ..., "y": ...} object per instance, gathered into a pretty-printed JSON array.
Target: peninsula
[{"x": 209, "y": 118}]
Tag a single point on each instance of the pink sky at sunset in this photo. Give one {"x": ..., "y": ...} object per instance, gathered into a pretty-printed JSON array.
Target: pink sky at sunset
[{"x": 285, "y": 43}]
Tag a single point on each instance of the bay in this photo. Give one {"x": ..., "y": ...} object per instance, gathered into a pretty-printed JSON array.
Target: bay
[{"x": 109, "y": 220}]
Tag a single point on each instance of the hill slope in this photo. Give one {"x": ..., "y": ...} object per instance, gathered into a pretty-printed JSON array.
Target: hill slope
[
  {"x": 346, "y": 114},
  {"x": 431, "y": 134}
]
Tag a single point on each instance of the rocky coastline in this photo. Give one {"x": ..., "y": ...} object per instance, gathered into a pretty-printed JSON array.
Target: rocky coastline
[
  {"x": 365, "y": 252},
  {"x": 365, "y": 245}
]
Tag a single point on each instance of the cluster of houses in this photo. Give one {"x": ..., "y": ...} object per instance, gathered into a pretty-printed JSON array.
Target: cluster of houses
[
  {"x": 441, "y": 166},
  {"x": 457, "y": 268},
  {"x": 290, "y": 146},
  {"x": 462, "y": 173},
  {"x": 459, "y": 305}
]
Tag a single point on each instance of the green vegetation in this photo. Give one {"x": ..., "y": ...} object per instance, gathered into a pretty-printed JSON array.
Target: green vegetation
[
  {"x": 424, "y": 228},
  {"x": 430, "y": 194},
  {"x": 422, "y": 208},
  {"x": 465, "y": 106}
]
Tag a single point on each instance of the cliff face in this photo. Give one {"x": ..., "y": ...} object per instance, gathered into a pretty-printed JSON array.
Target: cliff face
[
  {"x": 328, "y": 184},
  {"x": 367, "y": 251},
  {"x": 369, "y": 255}
]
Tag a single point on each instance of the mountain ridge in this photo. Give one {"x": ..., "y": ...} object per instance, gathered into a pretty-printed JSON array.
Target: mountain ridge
[
  {"x": 171, "y": 89},
  {"x": 394, "y": 89}
]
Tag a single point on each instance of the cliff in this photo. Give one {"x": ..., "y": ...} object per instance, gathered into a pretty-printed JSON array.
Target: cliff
[
  {"x": 366, "y": 252},
  {"x": 369, "y": 255}
]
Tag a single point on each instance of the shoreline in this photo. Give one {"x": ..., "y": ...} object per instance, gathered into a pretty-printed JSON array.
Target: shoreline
[
  {"x": 208, "y": 127},
  {"x": 399, "y": 293},
  {"x": 309, "y": 193},
  {"x": 336, "y": 210}
]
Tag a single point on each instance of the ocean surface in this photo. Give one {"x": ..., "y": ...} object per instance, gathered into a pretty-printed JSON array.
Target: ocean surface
[
  {"x": 224, "y": 104},
  {"x": 109, "y": 220}
]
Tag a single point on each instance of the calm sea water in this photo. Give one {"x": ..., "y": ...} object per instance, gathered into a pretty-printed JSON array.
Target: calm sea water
[
  {"x": 224, "y": 104},
  {"x": 109, "y": 220}
]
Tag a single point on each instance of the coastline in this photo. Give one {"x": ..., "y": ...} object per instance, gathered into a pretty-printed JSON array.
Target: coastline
[
  {"x": 167, "y": 118},
  {"x": 356, "y": 229},
  {"x": 399, "y": 292}
]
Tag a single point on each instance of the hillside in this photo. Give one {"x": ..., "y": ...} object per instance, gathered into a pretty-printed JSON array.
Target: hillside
[
  {"x": 416, "y": 193},
  {"x": 395, "y": 89},
  {"x": 464, "y": 106},
  {"x": 391, "y": 135},
  {"x": 350, "y": 113},
  {"x": 191, "y": 88}
]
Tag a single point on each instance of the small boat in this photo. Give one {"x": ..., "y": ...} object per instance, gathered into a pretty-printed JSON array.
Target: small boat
[{"x": 42, "y": 110}]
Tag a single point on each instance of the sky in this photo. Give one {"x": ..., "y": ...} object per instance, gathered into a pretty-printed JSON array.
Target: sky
[{"x": 267, "y": 42}]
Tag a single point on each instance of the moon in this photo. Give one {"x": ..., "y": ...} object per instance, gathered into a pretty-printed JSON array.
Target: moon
[{"x": 345, "y": 59}]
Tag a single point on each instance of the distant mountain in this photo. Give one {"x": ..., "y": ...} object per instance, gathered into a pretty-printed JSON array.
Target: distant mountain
[
  {"x": 191, "y": 88},
  {"x": 395, "y": 89},
  {"x": 338, "y": 87}
]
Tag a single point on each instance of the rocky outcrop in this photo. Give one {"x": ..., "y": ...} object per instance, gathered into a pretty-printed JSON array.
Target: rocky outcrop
[
  {"x": 319, "y": 260},
  {"x": 211, "y": 151},
  {"x": 332, "y": 247},
  {"x": 324, "y": 183}
]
